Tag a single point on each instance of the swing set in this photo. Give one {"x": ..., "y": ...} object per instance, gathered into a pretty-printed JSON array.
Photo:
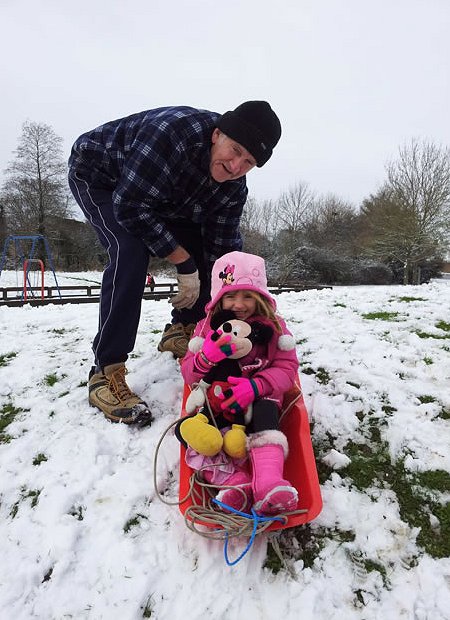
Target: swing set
[{"x": 24, "y": 260}]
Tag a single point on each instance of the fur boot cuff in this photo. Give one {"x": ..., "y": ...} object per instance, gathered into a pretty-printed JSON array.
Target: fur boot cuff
[{"x": 265, "y": 438}]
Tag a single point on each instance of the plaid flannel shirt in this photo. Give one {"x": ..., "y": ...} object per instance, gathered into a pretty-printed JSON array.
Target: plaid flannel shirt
[{"x": 157, "y": 165}]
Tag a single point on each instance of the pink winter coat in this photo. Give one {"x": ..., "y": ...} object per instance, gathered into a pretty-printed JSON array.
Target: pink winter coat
[{"x": 275, "y": 367}]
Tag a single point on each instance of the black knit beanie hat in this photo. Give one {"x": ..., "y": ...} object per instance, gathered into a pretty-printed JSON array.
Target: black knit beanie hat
[{"x": 255, "y": 126}]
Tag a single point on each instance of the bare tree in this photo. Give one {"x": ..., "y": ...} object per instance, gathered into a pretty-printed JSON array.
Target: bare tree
[
  {"x": 411, "y": 213},
  {"x": 332, "y": 225},
  {"x": 258, "y": 224},
  {"x": 420, "y": 183},
  {"x": 35, "y": 186},
  {"x": 294, "y": 208},
  {"x": 391, "y": 232}
]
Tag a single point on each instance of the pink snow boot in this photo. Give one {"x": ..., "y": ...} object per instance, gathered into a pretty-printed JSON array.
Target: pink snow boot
[
  {"x": 240, "y": 497},
  {"x": 272, "y": 494}
]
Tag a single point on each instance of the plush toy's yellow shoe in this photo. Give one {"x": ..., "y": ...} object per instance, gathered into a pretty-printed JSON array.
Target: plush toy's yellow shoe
[
  {"x": 234, "y": 441},
  {"x": 201, "y": 436}
]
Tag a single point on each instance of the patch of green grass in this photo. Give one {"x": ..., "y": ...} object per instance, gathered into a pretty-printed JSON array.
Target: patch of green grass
[
  {"x": 445, "y": 414},
  {"x": 388, "y": 409},
  {"x": 437, "y": 479},
  {"x": 339, "y": 305},
  {"x": 369, "y": 466},
  {"x": 417, "y": 501},
  {"x": 323, "y": 376},
  {"x": 53, "y": 378},
  {"x": 408, "y": 299},
  {"x": 321, "y": 448},
  {"x": 39, "y": 458},
  {"x": 427, "y": 335},
  {"x": 7, "y": 414},
  {"x": 428, "y": 361},
  {"x": 303, "y": 543},
  {"x": 426, "y": 399},
  {"x": 371, "y": 566},
  {"x": 368, "y": 566},
  {"x": 381, "y": 316},
  {"x": 25, "y": 494},
  {"x": 416, "y": 492},
  {"x": 5, "y": 358},
  {"x": 443, "y": 325},
  {"x": 308, "y": 370},
  {"x": 133, "y": 522}
]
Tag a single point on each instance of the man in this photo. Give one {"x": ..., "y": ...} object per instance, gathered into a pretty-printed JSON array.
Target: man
[{"x": 168, "y": 182}]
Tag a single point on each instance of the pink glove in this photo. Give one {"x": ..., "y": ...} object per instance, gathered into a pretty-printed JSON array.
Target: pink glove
[
  {"x": 217, "y": 346},
  {"x": 240, "y": 396}
]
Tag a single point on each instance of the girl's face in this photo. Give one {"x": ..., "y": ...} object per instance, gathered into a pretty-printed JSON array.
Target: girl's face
[{"x": 242, "y": 303}]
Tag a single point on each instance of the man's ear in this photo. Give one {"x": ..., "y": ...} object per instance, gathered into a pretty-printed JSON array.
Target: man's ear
[
  {"x": 221, "y": 317},
  {"x": 215, "y": 135}
]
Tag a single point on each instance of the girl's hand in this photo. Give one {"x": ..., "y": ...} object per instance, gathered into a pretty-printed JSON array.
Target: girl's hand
[
  {"x": 240, "y": 396},
  {"x": 217, "y": 347}
]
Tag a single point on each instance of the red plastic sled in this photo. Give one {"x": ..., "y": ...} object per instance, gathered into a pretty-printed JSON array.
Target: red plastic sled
[{"x": 300, "y": 466}]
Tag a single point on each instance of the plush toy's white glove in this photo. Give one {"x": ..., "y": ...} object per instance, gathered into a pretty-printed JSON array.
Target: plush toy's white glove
[{"x": 188, "y": 290}]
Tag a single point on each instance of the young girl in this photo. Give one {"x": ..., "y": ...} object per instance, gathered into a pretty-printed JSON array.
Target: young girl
[{"x": 239, "y": 284}]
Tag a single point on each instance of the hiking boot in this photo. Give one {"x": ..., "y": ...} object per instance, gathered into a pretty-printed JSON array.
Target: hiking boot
[
  {"x": 175, "y": 339},
  {"x": 189, "y": 329},
  {"x": 109, "y": 392}
]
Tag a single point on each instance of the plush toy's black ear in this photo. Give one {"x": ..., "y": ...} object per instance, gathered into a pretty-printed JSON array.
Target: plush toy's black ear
[
  {"x": 221, "y": 317},
  {"x": 261, "y": 333}
]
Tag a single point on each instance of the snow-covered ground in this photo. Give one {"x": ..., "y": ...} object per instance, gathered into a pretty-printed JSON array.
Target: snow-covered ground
[{"x": 83, "y": 535}]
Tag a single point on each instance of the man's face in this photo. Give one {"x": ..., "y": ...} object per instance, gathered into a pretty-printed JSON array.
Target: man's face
[{"x": 229, "y": 160}]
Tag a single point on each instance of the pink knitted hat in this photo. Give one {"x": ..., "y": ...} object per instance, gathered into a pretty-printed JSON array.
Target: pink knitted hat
[{"x": 237, "y": 271}]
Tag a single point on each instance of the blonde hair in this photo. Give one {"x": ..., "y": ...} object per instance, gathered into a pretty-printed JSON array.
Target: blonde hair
[{"x": 263, "y": 308}]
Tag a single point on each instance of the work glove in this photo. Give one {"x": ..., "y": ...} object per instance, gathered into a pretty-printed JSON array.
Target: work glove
[
  {"x": 217, "y": 347},
  {"x": 188, "y": 290},
  {"x": 236, "y": 399}
]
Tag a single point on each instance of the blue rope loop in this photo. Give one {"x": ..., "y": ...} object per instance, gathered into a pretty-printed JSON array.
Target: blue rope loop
[{"x": 257, "y": 519}]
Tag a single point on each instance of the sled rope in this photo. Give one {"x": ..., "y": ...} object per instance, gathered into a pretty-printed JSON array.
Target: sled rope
[
  {"x": 225, "y": 525},
  {"x": 195, "y": 479}
]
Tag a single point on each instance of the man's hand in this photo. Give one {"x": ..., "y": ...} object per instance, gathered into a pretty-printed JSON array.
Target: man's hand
[{"x": 188, "y": 290}]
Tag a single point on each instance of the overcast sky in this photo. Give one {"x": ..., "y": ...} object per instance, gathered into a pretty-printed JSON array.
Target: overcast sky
[{"x": 351, "y": 80}]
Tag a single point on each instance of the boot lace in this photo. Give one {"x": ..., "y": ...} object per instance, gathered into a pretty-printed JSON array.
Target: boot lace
[{"x": 118, "y": 385}]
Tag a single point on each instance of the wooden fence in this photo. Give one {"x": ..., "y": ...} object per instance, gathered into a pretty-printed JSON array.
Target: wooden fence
[{"x": 90, "y": 293}]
